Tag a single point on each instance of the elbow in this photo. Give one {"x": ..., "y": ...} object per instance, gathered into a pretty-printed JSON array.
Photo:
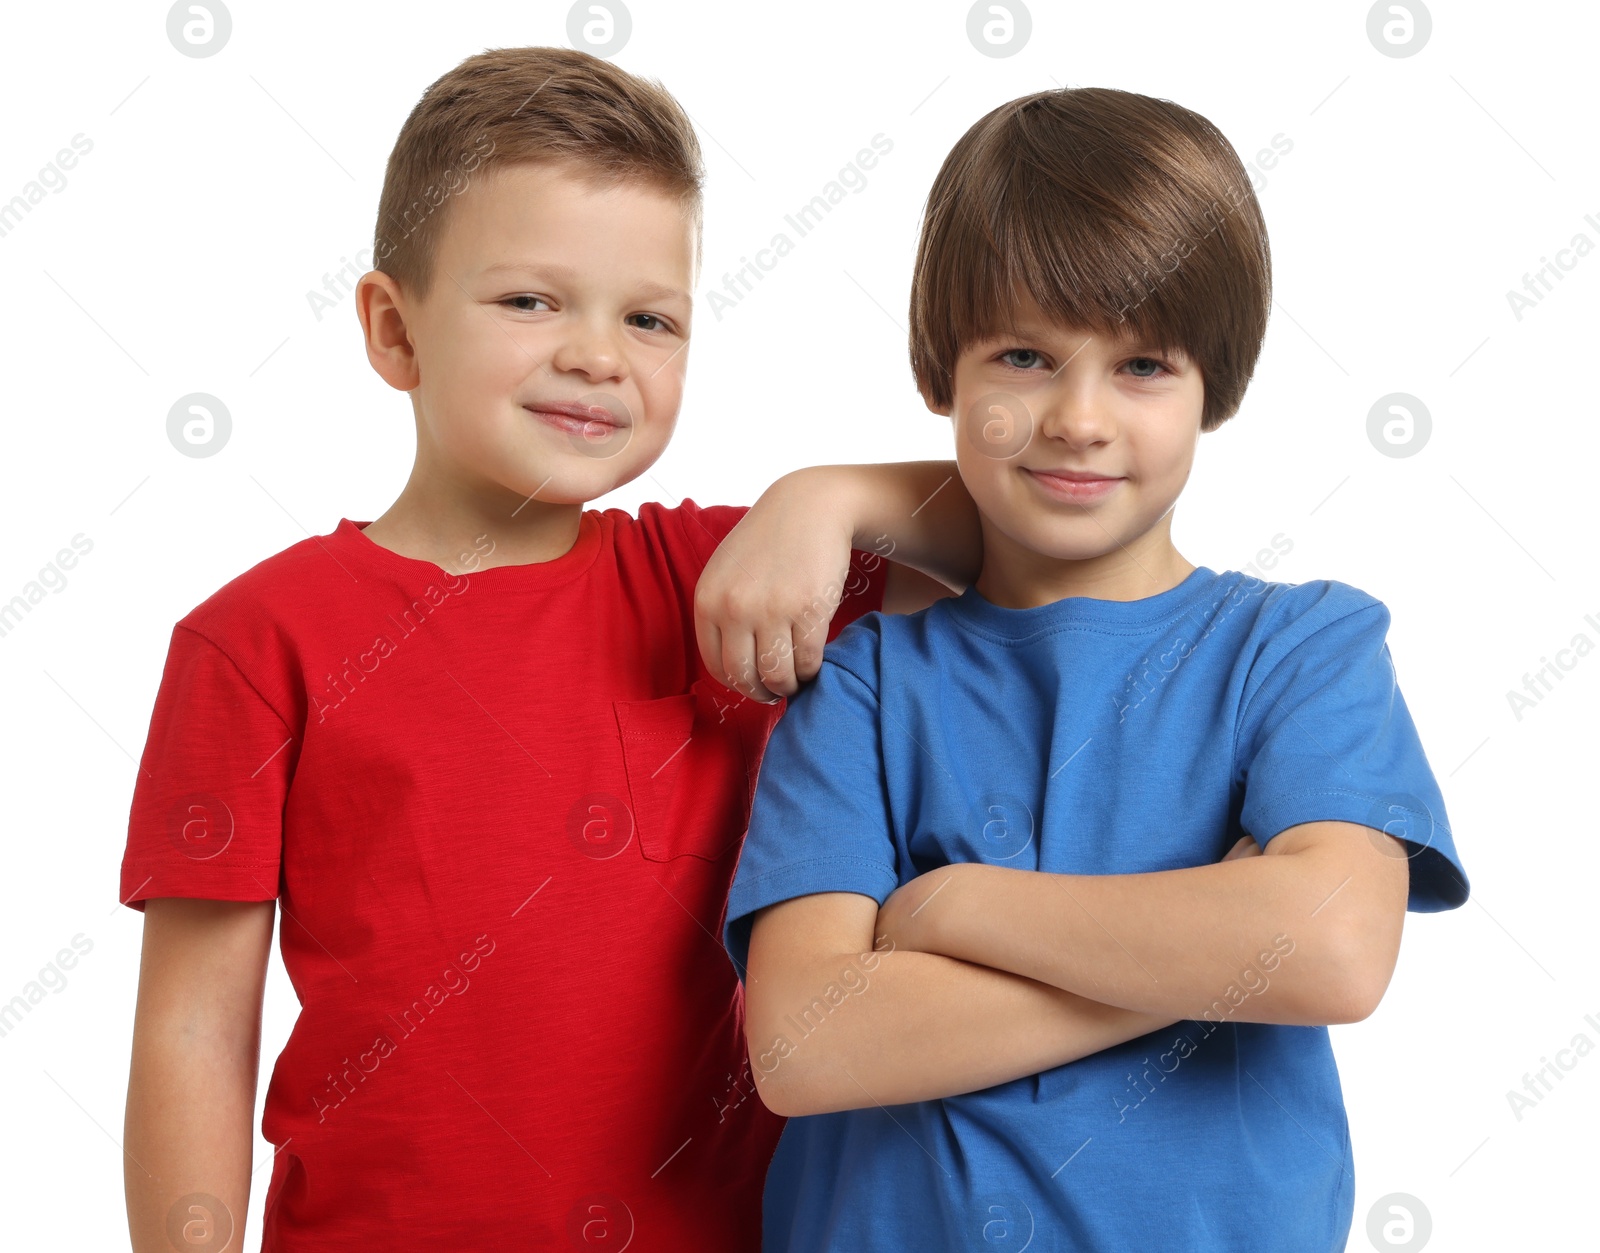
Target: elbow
[
  {"x": 786, "y": 1100},
  {"x": 1365, "y": 992},
  {"x": 773, "y": 1061},
  {"x": 801, "y": 1092},
  {"x": 1358, "y": 978},
  {"x": 780, "y": 1076},
  {"x": 785, "y": 1069},
  {"x": 1346, "y": 1006}
]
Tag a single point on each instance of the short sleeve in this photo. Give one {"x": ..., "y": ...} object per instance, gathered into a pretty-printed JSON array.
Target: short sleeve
[
  {"x": 820, "y": 821},
  {"x": 1325, "y": 735},
  {"x": 207, "y": 813}
]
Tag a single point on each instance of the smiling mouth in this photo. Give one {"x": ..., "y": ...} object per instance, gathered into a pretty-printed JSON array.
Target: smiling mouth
[
  {"x": 592, "y": 428},
  {"x": 1075, "y": 486},
  {"x": 570, "y": 416}
]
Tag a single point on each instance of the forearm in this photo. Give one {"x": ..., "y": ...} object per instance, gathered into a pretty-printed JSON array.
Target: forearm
[
  {"x": 192, "y": 1082},
  {"x": 1247, "y": 938},
  {"x": 886, "y": 1028},
  {"x": 915, "y": 512},
  {"x": 191, "y": 1107}
]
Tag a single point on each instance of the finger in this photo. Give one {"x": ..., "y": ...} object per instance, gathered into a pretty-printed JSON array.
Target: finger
[
  {"x": 809, "y": 639},
  {"x": 776, "y": 662},
  {"x": 709, "y": 637},
  {"x": 734, "y": 665},
  {"x": 739, "y": 665}
]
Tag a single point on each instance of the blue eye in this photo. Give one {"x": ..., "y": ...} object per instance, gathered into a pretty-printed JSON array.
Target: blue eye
[
  {"x": 1021, "y": 352},
  {"x": 1032, "y": 359}
]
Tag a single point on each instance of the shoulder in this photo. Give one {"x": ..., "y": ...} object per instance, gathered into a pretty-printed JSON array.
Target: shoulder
[
  {"x": 1271, "y": 607},
  {"x": 277, "y": 586},
  {"x": 1308, "y": 629},
  {"x": 854, "y": 654},
  {"x": 1291, "y": 614},
  {"x": 899, "y": 647},
  {"x": 266, "y": 619},
  {"x": 678, "y": 539},
  {"x": 856, "y": 648},
  {"x": 688, "y": 523}
]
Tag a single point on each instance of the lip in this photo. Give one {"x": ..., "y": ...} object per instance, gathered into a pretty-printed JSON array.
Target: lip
[
  {"x": 1076, "y": 486},
  {"x": 575, "y": 419}
]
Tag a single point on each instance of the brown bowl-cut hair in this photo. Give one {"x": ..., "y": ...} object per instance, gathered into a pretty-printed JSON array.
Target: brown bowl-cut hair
[
  {"x": 527, "y": 105},
  {"x": 1120, "y": 214}
]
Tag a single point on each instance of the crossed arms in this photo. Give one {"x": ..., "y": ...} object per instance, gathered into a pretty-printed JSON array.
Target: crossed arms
[{"x": 973, "y": 975}]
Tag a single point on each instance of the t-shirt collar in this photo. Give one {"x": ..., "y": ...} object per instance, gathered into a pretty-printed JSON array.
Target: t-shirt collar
[
  {"x": 977, "y": 613},
  {"x": 350, "y": 539}
]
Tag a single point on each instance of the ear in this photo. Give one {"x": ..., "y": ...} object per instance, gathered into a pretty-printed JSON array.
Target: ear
[
  {"x": 927, "y": 398},
  {"x": 380, "y": 304}
]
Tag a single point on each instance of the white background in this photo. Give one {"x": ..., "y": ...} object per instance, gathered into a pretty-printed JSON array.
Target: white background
[{"x": 1418, "y": 191}]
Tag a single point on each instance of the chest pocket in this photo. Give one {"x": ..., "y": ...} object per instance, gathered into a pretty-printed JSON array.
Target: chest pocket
[{"x": 691, "y": 761}]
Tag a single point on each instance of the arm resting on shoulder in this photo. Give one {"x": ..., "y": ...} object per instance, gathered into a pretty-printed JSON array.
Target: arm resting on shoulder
[
  {"x": 916, "y": 513},
  {"x": 833, "y": 1024}
]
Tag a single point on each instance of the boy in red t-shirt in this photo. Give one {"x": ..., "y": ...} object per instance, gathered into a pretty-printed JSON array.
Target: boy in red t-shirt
[{"x": 478, "y": 749}]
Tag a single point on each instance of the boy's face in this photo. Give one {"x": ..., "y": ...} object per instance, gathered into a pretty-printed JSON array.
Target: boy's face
[
  {"x": 1053, "y": 402},
  {"x": 551, "y": 292}
]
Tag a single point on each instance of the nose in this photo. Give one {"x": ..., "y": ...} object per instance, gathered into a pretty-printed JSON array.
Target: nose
[
  {"x": 1077, "y": 414},
  {"x": 592, "y": 350}
]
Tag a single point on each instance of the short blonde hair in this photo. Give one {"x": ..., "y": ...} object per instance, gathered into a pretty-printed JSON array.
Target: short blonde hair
[{"x": 514, "y": 105}]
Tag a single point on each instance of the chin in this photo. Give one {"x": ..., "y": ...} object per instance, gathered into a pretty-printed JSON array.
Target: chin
[
  {"x": 1067, "y": 539},
  {"x": 588, "y": 479},
  {"x": 1067, "y": 550}
]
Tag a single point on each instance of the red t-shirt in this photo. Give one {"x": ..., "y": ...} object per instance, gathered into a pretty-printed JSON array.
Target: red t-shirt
[{"x": 501, "y": 813}]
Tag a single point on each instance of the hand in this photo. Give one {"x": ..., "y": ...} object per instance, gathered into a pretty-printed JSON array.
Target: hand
[
  {"x": 765, "y": 599},
  {"x": 905, "y": 920}
]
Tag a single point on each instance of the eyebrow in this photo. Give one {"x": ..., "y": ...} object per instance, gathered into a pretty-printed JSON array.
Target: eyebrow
[
  {"x": 646, "y": 290},
  {"x": 1036, "y": 334}
]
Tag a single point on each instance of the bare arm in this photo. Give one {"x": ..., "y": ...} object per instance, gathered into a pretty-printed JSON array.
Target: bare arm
[
  {"x": 833, "y": 1024},
  {"x": 192, "y": 1081},
  {"x": 918, "y": 512},
  {"x": 1306, "y": 934}
]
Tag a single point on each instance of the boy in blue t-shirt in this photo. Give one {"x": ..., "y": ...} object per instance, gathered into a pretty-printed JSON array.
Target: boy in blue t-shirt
[{"x": 1051, "y": 888}]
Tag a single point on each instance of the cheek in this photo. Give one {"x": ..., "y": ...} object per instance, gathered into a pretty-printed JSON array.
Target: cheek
[
  {"x": 991, "y": 429},
  {"x": 1164, "y": 467},
  {"x": 466, "y": 361},
  {"x": 983, "y": 476},
  {"x": 661, "y": 396},
  {"x": 1178, "y": 445}
]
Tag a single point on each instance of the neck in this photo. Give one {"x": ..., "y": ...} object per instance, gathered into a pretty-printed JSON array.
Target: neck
[
  {"x": 463, "y": 528},
  {"x": 1017, "y": 577}
]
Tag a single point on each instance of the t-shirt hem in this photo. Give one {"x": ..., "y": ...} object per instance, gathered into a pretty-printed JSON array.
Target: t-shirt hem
[
  {"x": 246, "y": 881},
  {"x": 801, "y": 878},
  {"x": 1442, "y": 883}
]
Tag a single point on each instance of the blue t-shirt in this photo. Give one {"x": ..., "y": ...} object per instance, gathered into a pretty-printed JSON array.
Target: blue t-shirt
[{"x": 1091, "y": 737}]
